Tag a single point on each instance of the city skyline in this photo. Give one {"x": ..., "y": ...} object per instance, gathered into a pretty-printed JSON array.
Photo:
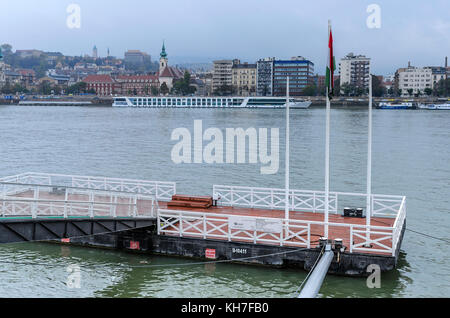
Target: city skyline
[{"x": 204, "y": 32}]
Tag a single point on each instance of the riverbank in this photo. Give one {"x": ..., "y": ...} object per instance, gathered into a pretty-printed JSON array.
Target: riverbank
[
  {"x": 317, "y": 101},
  {"x": 58, "y": 101}
]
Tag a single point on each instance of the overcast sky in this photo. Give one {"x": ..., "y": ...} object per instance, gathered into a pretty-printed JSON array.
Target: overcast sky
[{"x": 201, "y": 30}]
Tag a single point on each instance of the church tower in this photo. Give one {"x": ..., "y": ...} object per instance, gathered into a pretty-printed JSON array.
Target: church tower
[
  {"x": 95, "y": 52},
  {"x": 163, "y": 61}
]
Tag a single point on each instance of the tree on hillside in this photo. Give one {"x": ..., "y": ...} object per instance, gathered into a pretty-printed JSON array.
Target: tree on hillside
[
  {"x": 183, "y": 86},
  {"x": 6, "y": 49}
]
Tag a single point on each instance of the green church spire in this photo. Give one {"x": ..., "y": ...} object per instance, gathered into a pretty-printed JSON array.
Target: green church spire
[{"x": 163, "y": 52}]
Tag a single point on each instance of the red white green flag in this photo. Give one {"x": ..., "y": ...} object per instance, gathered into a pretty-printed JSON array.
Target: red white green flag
[{"x": 331, "y": 66}]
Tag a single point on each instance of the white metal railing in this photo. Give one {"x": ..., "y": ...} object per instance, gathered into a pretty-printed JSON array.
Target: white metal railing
[
  {"x": 306, "y": 200},
  {"x": 27, "y": 178},
  {"x": 220, "y": 226},
  {"x": 47, "y": 200},
  {"x": 161, "y": 190},
  {"x": 281, "y": 232},
  {"x": 299, "y": 200},
  {"x": 386, "y": 205},
  {"x": 398, "y": 225}
]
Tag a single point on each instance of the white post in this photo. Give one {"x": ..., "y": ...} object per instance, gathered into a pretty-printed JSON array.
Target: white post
[
  {"x": 369, "y": 165},
  {"x": 287, "y": 151}
]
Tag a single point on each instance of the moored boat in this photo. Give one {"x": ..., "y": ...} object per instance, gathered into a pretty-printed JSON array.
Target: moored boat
[
  {"x": 436, "y": 106},
  {"x": 396, "y": 106},
  {"x": 209, "y": 102}
]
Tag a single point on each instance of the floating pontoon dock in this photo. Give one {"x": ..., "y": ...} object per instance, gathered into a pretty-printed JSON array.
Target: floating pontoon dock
[{"x": 247, "y": 222}]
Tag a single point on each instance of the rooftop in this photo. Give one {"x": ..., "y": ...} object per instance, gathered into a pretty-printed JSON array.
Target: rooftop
[{"x": 98, "y": 79}]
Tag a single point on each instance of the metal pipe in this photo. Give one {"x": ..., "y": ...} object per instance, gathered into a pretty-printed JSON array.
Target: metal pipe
[{"x": 312, "y": 286}]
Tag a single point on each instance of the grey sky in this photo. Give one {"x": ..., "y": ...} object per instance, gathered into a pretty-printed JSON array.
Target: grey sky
[{"x": 200, "y": 30}]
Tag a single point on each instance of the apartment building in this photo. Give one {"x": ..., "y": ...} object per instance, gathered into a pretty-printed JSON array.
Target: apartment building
[
  {"x": 244, "y": 79},
  {"x": 413, "y": 78},
  {"x": 300, "y": 72},
  {"x": 264, "y": 76},
  {"x": 354, "y": 70},
  {"x": 223, "y": 73}
]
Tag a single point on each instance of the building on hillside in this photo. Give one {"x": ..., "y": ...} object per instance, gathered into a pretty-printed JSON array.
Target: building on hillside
[
  {"x": 48, "y": 80},
  {"x": 136, "y": 57},
  {"x": 61, "y": 79},
  {"x": 166, "y": 73},
  {"x": 354, "y": 70},
  {"x": 106, "y": 69},
  {"x": 29, "y": 53},
  {"x": 27, "y": 77},
  {"x": 223, "y": 73},
  {"x": 103, "y": 85},
  {"x": 52, "y": 57},
  {"x": 264, "y": 76},
  {"x": 413, "y": 79},
  {"x": 136, "y": 84},
  {"x": 12, "y": 77},
  {"x": 300, "y": 72},
  {"x": 95, "y": 52},
  {"x": 244, "y": 79}
]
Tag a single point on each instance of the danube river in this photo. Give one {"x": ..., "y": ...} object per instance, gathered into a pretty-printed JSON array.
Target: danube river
[{"x": 411, "y": 156}]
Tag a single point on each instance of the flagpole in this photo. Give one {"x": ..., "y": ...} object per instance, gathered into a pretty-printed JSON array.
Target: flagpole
[
  {"x": 327, "y": 151},
  {"x": 327, "y": 165},
  {"x": 287, "y": 152},
  {"x": 369, "y": 165}
]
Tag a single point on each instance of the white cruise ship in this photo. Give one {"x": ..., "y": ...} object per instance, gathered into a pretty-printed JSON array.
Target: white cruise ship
[
  {"x": 208, "y": 102},
  {"x": 436, "y": 106}
]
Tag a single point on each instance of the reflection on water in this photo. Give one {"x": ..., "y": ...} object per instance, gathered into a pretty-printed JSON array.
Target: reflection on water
[{"x": 411, "y": 152}]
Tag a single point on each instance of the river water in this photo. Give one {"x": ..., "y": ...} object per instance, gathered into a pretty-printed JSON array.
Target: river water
[{"x": 411, "y": 156}]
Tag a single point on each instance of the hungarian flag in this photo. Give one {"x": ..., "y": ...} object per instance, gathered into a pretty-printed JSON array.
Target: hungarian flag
[{"x": 331, "y": 67}]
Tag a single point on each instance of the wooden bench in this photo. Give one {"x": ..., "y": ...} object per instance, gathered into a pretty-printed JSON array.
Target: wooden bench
[{"x": 187, "y": 201}]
